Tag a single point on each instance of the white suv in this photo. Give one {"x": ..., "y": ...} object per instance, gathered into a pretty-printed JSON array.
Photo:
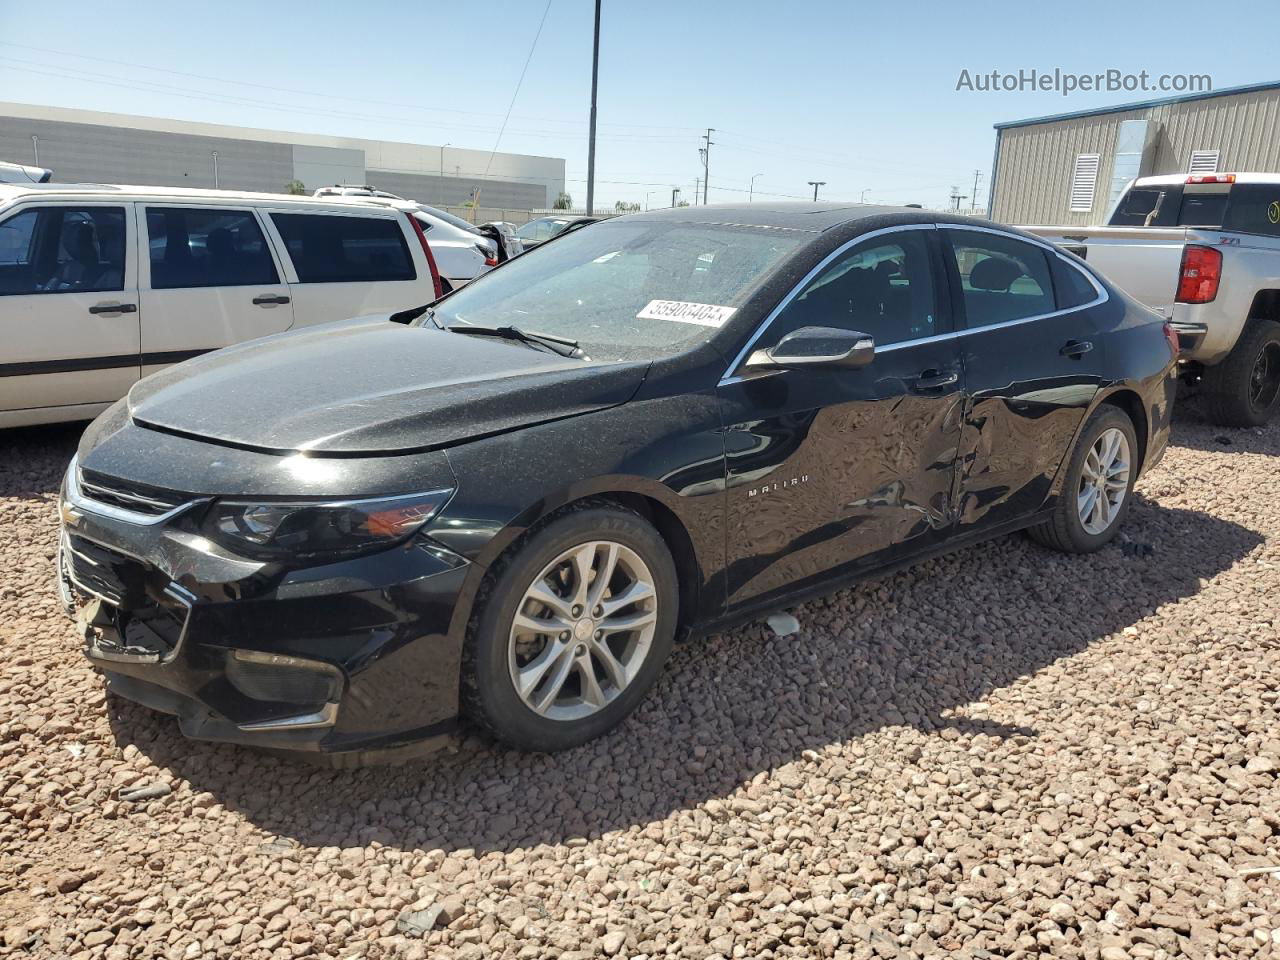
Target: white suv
[{"x": 101, "y": 285}]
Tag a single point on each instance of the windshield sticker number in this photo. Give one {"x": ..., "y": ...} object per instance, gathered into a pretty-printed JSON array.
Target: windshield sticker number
[{"x": 702, "y": 314}]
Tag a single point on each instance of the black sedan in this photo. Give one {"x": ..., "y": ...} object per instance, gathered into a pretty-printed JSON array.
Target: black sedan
[{"x": 506, "y": 507}]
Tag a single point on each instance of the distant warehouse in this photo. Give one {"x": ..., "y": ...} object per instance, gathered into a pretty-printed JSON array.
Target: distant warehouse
[
  {"x": 89, "y": 147},
  {"x": 1070, "y": 168}
]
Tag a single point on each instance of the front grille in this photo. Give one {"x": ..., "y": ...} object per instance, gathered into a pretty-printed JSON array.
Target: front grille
[
  {"x": 136, "y": 497},
  {"x": 97, "y": 570}
]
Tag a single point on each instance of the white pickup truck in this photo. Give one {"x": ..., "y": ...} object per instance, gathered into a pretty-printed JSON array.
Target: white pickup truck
[{"x": 1203, "y": 251}]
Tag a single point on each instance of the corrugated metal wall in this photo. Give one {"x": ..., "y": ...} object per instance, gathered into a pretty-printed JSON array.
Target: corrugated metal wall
[{"x": 1035, "y": 162}]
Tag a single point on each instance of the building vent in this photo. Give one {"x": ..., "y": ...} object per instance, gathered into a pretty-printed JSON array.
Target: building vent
[
  {"x": 1083, "y": 182},
  {"x": 1203, "y": 161}
]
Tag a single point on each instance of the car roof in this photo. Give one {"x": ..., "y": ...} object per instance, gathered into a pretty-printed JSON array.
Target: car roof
[
  {"x": 118, "y": 191},
  {"x": 799, "y": 215}
]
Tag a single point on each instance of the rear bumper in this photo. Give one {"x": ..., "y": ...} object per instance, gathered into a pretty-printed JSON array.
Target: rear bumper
[{"x": 350, "y": 656}]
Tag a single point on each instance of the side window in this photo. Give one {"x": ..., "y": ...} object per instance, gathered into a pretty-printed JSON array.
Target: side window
[
  {"x": 63, "y": 250},
  {"x": 332, "y": 248},
  {"x": 1070, "y": 286},
  {"x": 205, "y": 247},
  {"x": 882, "y": 287},
  {"x": 1003, "y": 278}
]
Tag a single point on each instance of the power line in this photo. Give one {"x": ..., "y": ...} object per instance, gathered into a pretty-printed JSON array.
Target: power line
[{"x": 532, "y": 47}]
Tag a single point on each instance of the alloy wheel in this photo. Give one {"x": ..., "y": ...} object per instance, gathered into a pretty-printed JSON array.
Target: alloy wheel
[
  {"x": 1264, "y": 378},
  {"x": 1104, "y": 481},
  {"x": 583, "y": 630}
]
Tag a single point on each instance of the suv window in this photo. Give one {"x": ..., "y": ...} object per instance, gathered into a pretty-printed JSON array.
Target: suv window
[
  {"x": 882, "y": 287},
  {"x": 202, "y": 247},
  {"x": 330, "y": 248},
  {"x": 62, "y": 250},
  {"x": 1002, "y": 278},
  {"x": 1254, "y": 208}
]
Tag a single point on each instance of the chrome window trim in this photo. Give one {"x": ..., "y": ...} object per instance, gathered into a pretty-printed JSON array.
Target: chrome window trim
[
  {"x": 1103, "y": 296},
  {"x": 727, "y": 376}
]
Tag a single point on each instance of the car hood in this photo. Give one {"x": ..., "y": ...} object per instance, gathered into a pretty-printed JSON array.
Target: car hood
[{"x": 371, "y": 386}]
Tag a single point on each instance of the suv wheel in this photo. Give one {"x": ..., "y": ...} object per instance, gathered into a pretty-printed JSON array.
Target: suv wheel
[
  {"x": 1244, "y": 389},
  {"x": 572, "y": 632},
  {"x": 1098, "y": 486}
]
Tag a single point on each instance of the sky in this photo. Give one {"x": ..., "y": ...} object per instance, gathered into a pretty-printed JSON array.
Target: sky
[{"x": 860, "y": 95}]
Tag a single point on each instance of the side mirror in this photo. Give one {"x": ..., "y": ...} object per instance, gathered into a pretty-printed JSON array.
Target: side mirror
[{"x": 815, "y": 347}]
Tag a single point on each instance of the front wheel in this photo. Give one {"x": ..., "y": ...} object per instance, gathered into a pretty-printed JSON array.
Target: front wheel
[
  {"x": 1098, "y": 486},
  {"x": 1244, "y": 389},
  {"x": 573, "y": 630}
]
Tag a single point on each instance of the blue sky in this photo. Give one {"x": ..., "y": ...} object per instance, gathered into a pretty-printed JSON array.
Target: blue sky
[{"x": 860, "y": 95}]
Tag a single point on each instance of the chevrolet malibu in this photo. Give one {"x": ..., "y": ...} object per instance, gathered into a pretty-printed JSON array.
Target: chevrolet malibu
[{"x": 506, "y": 507}]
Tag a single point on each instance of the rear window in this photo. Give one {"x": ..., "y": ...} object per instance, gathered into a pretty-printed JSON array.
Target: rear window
[
  {"x": 1254, "y": 208},
  {"x": 1071, "y": 287},
  {"x": 1148, "y": 207},
  {"x": 329, "y": 248}
]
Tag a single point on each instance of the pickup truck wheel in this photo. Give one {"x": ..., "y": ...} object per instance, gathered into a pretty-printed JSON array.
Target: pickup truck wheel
[
  {"x": 1244, "y": 389},
  {"x": 1098, "y": 486},
  {"x": 572, "y": 631}
]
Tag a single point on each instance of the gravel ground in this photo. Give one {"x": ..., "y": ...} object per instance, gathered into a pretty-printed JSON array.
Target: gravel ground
[{"x": 1004, "y": 752}]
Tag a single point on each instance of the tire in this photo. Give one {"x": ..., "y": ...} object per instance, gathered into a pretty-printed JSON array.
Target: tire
[
  {"x": 561, "y": 706},
  {"x": 1066, "y": 530},
  {"x": 1244, "y": 389}
]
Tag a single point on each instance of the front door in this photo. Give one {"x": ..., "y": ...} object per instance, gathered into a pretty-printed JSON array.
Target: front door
[
  {"x": 839, "y": 467},
  {"x": 68, "y": 307},
  {"x": 210, "y": 280},
  {"x": 1033, "y": 363}
]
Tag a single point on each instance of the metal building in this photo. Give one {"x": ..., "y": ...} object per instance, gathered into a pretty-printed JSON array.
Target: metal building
[
  {"x": 1070, "y": 168},
  {"x": 87, "y": 146}
]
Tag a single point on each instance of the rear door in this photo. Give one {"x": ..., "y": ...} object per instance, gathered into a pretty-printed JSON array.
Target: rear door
[
  {"x": 1033, "y": 360},
  {"x": 838, "y": 467},
  {"x": 68, "y": 305},
  {"x": 349, "y": 264},
  {"x": 209, "y": 279}
]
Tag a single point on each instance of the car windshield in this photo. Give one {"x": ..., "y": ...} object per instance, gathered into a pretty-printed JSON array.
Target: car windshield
[{"x": 627, "y": 289}]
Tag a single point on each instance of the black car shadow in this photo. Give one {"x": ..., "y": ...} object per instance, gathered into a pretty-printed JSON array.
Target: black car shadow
[
  {"x": 1193, "y": 430},
  {"x": 728, "y": 707}
]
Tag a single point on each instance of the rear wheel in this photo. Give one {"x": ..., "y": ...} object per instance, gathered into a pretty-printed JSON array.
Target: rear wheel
[
  {"x": 1096, "y": 491},
  {"x": 1244, "y": 389},
  {"x": 573, "y": 630}
]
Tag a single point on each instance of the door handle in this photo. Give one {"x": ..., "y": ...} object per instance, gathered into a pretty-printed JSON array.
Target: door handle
[
  {"x": 114, "y": 308},
  {"x": 270, "y": 299},
  {"x": 1075, "y": 348},
  {"x": 933, "y": 380}
]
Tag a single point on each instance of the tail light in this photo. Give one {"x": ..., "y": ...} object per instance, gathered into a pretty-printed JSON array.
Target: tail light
[
  {"x": 1212, "y": 178},
  {"x": 490, "y": 259},
  {"x": 1201, "y": 272},
  {"x": 1171, "y": 335},
  {"x": 431, "y": 260}
]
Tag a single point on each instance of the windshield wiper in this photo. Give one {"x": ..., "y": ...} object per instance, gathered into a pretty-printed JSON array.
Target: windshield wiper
[{"x": 561, "y": 345}]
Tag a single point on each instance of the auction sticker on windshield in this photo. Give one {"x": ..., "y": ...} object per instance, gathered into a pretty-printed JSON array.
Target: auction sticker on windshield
[{"x": 703, "y": 314}]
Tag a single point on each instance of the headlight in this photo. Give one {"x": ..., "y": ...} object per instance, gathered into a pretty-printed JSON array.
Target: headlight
[{"x": 307, "y": 530}]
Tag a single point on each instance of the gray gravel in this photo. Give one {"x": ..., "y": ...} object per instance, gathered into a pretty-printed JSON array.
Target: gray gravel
[{"x": 1004, "y": 750}]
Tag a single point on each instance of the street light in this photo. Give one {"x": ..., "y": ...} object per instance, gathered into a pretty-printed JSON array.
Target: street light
[
  {"x": 863, "y": 197},
  {"x": 816, "y": 184},
  {"x": 751, "y": 193},
  {"x": 675, "y": 192},
  {"x": 442, "y": 172},
  {"x": 215, "y": 169},
  {"x": 647, "y": 195}
]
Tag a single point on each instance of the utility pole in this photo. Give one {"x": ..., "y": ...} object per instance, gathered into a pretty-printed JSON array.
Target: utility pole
[
  {"x": 863, "y": 197},
  {"x": 442, "y": 173},
  {"x": 591, "y": 141},
  {"x": 706, "y": 163},
  {"x": 816, "y": 184},
  {"x": 674, "y": 192},
  {"x": 956, "y": 197},
  {"x": 215, "y": 169},
  {"x": 697, "y": 185},
  {"x": 752, "y": 192},
  {"x": 977, "y": 175},
  {"x": 35, "y": 147}
]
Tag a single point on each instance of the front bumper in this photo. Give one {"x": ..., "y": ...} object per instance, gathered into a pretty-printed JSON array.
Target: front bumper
[{"x": 358, "y": 655}]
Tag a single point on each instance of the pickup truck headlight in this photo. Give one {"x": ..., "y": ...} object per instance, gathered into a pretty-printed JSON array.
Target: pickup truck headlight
[{"x": 307, "y": 530}]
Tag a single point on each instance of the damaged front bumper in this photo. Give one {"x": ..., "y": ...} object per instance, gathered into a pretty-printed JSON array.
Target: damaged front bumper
[{"x": 356, "y": 655}]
